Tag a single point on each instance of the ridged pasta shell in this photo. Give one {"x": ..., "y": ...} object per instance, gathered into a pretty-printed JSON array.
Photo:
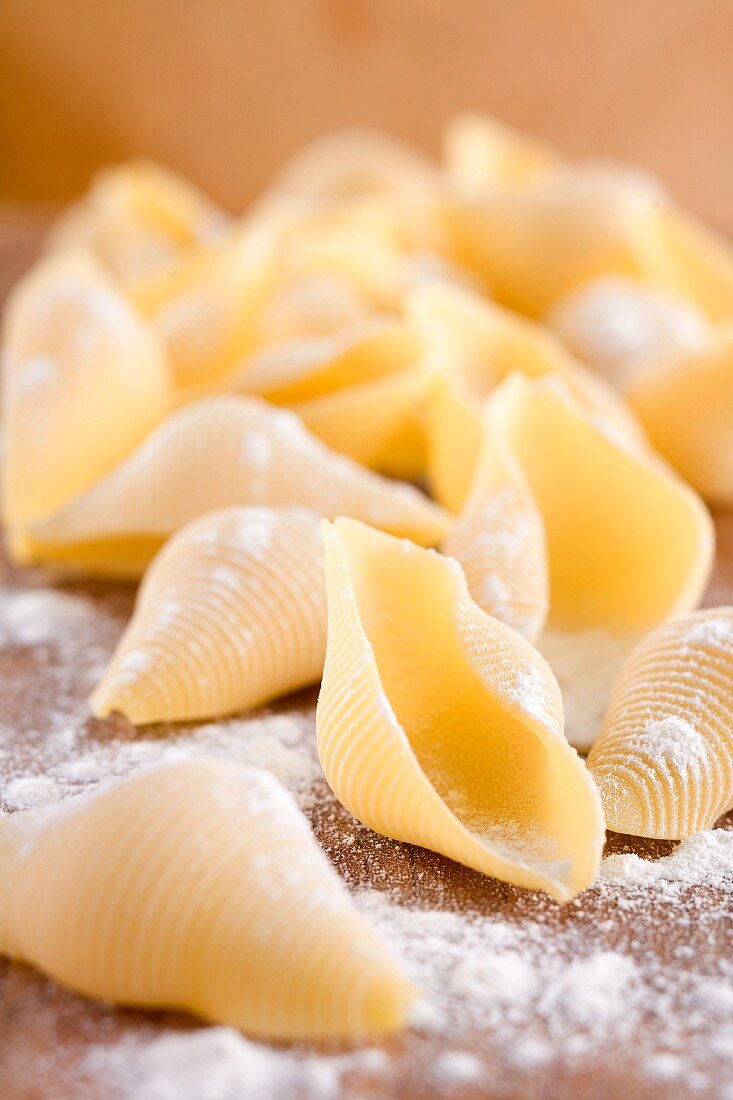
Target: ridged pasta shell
[
  {"x": 440, "y": 726},
  {"x": 685, "y": 405},
  {"x": 537, "y": 553},
  {"x": 138, "y": 218},
  {"x": 472, "y": 344},
  {"x": 231, "y": 614},
  {"x": 207, "y": 310},
  {"x": 482, "y": 153},
  {"x": 664, "y": 758},
  {"x": 195, "y": 885},
  {"x": 533, "y": 244},
  {"x": 313, "y": 303},
  {"x": 619, "y": 325},
  {"x": 599, "y": 576},
  {"x": 366, "y": 421},
  {"x": 215, "y": 453},
  {"x": 83, "y": 383}
]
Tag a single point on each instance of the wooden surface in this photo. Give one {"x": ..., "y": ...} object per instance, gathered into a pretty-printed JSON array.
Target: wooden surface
[
  {"x": 46, "y": 1032},
  {"x": 223, "y": 90}
]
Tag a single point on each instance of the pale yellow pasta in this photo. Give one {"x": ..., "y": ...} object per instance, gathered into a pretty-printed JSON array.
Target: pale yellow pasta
[
  {"x": 138, "y": 218},
  {"x": 230, "y": 614},
  {"x": 440, "y": 726},
  {"x": 83, "y": 383},
  {"x": 482, "y": 153},
  {"x": 471, "y": 344},
  {"x": 198, "y": 886},
  {"x": 207, "y": 309},
  {"x": 313, "y": 303},
  {"x": 663, "y": 760},
  {"x": 619, "y": 325},
  {"x": 218, "y": 452},
  {"x": 367, "y": 421},
  {"x": 684, "y": 402}
]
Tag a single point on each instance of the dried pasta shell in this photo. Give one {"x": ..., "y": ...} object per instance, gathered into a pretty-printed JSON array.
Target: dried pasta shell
[
  {"x": 619, "y": 325},
  {"x": 685, "y": 405},
  {"x": 472, "y": 344},
  {"x": 231, "y": 614},
  {"x": 313, "y": 303},
  {"x": 207, "y": 310},
  {"x": 215, "y": 453},
  {"x": 533, "y": 244},
  {"x": 195, "y": 885},
  {"x": 365, "y": 421},
  {"x": 138, "y": 218},
  {"x": 440, "y": 726},
  {"x": 481, "y": 154},
  {"x": 664, "y": 758},
  {"x": 83, "y": 383}
]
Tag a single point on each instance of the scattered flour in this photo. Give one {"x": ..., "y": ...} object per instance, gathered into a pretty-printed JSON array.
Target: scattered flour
[
  {"x": 673, "y": 741},
  {"x": 705, "y": 858},
  {"x": 41, "y": 616}
]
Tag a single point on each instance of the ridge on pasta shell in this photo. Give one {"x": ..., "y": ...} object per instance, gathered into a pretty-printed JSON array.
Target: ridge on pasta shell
[
  {"x": 195, "y": 885},
  {"x": 441, "y": 726}
]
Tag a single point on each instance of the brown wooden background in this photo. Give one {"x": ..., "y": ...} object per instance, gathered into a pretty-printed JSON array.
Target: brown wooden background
[{"x": 224, "y": 89}]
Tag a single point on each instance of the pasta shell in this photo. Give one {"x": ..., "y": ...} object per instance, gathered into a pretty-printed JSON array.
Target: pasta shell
[
  {"x": 83, "y": 383},
  {"x": 301, "y": 369},
  {"x": 231, "y": 614},
  {"x": 365, "y": 421},
  {"x": 685, "y": 405},
  {"x": 598, "y": 575},
  {"x": 137, "y": 218},
  {"x": 207, "y": 310},
  {"x": 533, "y": 244},
  {"x": 472, "y": 344},
  {"x": 618, "y": 325},
  {"x": 420, "y": 690},
  {"x": 664, "y": 758},
  {"x": 195, "y": 885},
  {"x": 215, "y": 453},
  {"x": 313, "y": 303},
  {"x": 481, "y": 154}
]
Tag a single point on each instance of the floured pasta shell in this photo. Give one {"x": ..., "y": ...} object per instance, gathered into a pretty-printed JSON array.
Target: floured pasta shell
[
  {"x": 303, "y": 368},
  {"x": 618, "y": 325},
  {"x": 367, "y": 421},
  {"x": 440, "y": 726},
  {"x": 628, "y": 547},
  {"x": 533, "y": 244},
  {"x": 664, "y": 758},
  {"x": 215, "y": 453},
  {"x": 207, "y": 310},
  {"x": 472, "y": 344},
  {"x": 195, "y": 885},
  {"x": 83, "y": 383},
  {"x": 231, "y": 614},
  {"x": 481, "y": 154},
  {"x": 138, "y": 218},
  {"x": 685, "y": 403}
]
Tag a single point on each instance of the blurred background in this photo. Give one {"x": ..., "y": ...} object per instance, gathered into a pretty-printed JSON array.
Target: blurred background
[{"x": 223, "y": 90}]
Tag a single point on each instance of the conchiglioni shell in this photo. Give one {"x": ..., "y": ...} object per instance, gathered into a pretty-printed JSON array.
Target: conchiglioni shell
[
  {"x": 664, "y": 758},
  {"x": 230, "y": 614},
  {"x": 304, "y": 368},
  {"x": 207, "y": 310},
  {"x": 482, "y": 153},
  {"x": 440, "y": 726},
  {"x": 313, "y": 303},
  {"x": 472, "y": 344},
  {"x": 618, "y": 325},
  {"x": 533, "y": 244},
  {"x": 685, "y": 403},
  {"x": 366, "y": 421},
  {"x": 138, "y": 218},
  {"x": 198, "y": 886},
  {"x": 215, "y": 453},
  {"x": 628, "y": 544},
  {"x": 83, "y": 383}
]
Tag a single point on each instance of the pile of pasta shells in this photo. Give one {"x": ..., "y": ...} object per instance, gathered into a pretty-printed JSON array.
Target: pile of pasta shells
[{"x": 403, "y": 428}]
